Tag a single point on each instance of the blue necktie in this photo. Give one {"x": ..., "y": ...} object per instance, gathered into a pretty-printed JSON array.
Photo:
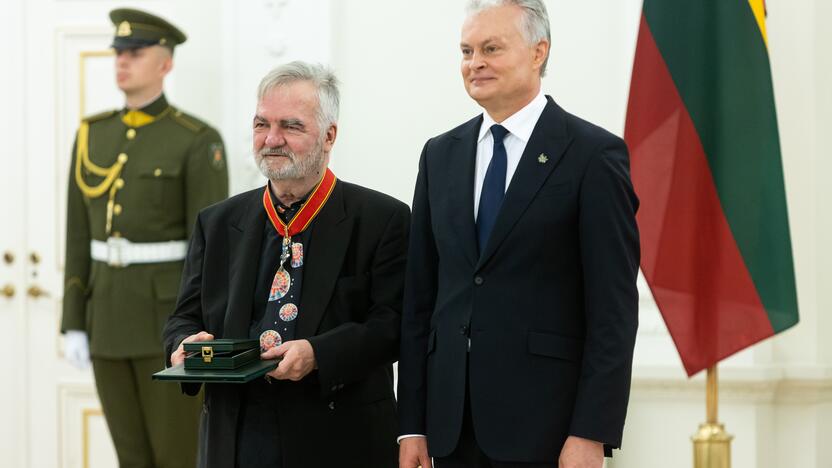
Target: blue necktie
[{"x": 493, "y": 187}]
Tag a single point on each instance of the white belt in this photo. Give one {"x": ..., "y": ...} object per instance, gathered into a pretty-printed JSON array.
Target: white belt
[{"x": 120, "y": 252}]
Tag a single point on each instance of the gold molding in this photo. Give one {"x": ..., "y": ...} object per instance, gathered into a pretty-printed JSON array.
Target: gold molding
[
  {"x": 85, "y": 435},
  {"x": 59, "y": 344},
  {"x": 82, "y": 99},
  {"x": 82, "y": 81}
]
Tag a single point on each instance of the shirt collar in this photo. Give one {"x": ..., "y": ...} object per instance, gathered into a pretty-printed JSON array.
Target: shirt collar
[{"x": 521, "y": 123}]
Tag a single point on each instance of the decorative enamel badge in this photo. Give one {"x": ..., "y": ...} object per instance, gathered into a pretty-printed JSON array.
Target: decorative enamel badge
[
  {"x": 297, "y": 255},
  {"x": 270, "y": 339},
  {"x": 280, "y": 284},
  {"x": 288, "y": 312}
]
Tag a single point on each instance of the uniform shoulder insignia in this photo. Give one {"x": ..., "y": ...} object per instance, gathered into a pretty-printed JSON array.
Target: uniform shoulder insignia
[
  {"x": 188, "y": 121},
  {"x": 100, "y": 116}
]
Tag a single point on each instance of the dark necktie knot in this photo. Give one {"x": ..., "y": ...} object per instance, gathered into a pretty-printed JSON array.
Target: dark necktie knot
[{"x": 498, "y": 132}]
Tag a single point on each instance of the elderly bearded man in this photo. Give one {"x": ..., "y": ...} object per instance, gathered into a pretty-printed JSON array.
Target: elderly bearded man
[
  {"x": 311, "y": 262},
  {"x": 521, "y": 305}
]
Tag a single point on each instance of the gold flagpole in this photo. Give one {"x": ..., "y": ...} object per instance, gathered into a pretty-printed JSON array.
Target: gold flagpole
[{"x": 711, "y": 444}]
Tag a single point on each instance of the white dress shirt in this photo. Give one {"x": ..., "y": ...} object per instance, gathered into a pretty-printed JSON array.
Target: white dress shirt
[{"x": 520, "y": 126}]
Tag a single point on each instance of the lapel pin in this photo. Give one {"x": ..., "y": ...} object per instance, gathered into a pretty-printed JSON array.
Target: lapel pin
[{"x": 542, "y": 159}]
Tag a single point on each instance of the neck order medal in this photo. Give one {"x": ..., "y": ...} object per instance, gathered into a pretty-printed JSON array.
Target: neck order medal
[{"x": 300, "y": 221}]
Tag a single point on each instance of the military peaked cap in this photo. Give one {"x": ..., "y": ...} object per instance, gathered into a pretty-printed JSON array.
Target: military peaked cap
[{"x": 136, "y": 28}]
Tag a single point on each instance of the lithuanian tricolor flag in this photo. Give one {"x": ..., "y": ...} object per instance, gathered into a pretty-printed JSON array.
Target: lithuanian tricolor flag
[{"x": 705, "y": 155}]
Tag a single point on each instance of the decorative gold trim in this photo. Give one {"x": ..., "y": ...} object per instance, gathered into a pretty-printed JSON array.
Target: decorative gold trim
[
  {"x": 82, "y": 79},
  {"x": 85, "y": 436},
  {"x": 59, "y": 345},
  {"x": 207, "y": 354}
]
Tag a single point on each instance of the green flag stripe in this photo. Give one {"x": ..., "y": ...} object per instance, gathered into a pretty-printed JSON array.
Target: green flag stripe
[{"x": 719, "y": 63}]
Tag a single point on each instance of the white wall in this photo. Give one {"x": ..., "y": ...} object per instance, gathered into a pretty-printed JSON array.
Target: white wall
[{"x": 399, "y": 64}]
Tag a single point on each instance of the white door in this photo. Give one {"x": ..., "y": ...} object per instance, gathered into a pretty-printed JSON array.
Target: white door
[
  {"x": 58, "y": 420},
  {"x": 12, "y": 323},
  {"x": 54, "y": 63},
  {"x": 56, "y": 68}
]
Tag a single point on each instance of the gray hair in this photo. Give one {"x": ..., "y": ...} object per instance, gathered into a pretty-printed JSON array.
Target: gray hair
[
  {"x": 322, "y": 77},
  {"x": 534, "y": 23}
]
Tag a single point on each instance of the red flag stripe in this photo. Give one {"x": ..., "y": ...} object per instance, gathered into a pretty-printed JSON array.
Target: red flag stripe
[{"x": 689, "y": 256}]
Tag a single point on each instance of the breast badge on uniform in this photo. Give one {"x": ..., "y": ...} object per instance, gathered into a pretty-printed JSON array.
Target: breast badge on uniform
[{"x": 217, "y": 159}]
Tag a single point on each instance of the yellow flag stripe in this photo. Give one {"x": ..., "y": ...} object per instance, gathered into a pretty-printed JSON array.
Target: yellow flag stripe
[{"x": 759, "y": 9}]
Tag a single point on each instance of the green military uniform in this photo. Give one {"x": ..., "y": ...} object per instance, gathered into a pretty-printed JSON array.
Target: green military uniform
[{"x": 137, "y": 180}]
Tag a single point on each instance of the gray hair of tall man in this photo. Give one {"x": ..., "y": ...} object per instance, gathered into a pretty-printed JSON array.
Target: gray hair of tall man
[
  {"x": 534, "y": 23},
  {"x": 322, "y": 77}
]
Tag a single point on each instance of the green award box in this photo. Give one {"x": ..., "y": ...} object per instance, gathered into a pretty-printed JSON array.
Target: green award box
[
  {"x": 220, "y": 361},
  {"x": 221, "y": 354}
]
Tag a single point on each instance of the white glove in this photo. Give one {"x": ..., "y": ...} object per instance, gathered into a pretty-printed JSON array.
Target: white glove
[{"x": 77, "y": 348}]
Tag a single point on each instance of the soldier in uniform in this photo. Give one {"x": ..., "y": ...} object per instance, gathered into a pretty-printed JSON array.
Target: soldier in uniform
[{"x": 138, "y": 177}]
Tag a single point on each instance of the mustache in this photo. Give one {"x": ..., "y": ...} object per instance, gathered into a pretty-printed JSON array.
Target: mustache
[{"x": 277, "y": 151}]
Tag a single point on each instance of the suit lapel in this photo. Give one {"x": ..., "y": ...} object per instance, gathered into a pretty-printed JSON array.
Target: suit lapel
[
  {"x": 548, "y": 141},
  {"x": 245, "y": 243},
  {"x": 330, "y": 236},
  {"x": 462, "y": 161}
]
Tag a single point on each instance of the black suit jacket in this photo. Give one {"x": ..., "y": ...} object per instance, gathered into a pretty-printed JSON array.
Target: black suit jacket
[
  {"x": 550, "y": 303},
  {"x": 342, "y": 414}
]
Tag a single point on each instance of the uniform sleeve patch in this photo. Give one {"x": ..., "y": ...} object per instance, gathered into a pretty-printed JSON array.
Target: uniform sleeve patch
[{"x": 217, "y": 155}]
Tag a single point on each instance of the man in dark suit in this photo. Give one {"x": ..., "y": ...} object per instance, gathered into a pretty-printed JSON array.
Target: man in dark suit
[
  {"x": 312, "y": 266},
  {"x": 520, "y": 309}
]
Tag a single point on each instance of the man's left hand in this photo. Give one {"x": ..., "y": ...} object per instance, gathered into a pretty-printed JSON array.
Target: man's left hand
[
  {"x": 298, "y": 360},
  {"x": 578, "y": 452}
]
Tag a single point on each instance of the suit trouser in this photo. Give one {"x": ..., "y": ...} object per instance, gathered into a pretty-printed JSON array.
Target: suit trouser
[{"x": 153, "y": 425}]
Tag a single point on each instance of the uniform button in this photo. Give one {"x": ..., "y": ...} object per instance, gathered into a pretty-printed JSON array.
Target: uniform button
[
  {"x": 478, "y": 280},
  {"x": 157, "y": 172},
  {"x": 117, "y": 209},
  {"x": 122, "y": 158},
  {"x": 116, "y": 234},
  {"x": 332, "y": 405},
  {"x": 131, "y": 133},
  {"x": 463, "y": 330},
  {"x": 334, "y": 387},
  {"x": 119, "y": 183}
]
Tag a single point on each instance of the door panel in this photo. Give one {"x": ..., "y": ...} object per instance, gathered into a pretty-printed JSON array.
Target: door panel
[{"x": 61, "y": 69}]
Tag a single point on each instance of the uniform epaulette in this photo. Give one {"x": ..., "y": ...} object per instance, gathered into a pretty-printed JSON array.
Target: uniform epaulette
[
  {"x": 187, "y": 121},
  {"x": 100, "y": 116}
]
